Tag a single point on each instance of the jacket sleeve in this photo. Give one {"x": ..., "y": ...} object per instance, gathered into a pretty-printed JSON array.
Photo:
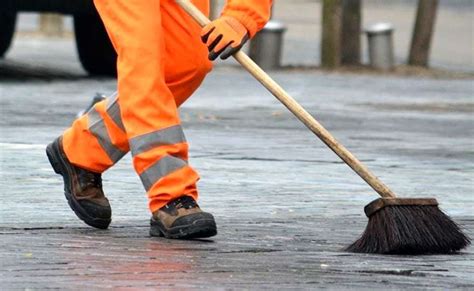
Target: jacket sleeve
[{"x": 253, "y": 14}]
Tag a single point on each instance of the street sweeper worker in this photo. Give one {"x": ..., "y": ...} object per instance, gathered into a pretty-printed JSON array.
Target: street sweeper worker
[{"x": 163, "y": 56}]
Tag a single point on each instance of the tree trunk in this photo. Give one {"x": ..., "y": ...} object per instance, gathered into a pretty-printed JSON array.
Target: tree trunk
[
  {"x": 351, "y": 25},
  {"x": 331, "y": 34},
  {"x": 423, "y": 32}
]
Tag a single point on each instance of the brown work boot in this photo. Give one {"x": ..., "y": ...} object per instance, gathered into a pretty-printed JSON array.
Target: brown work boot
[
  {"x": 83, "y": 188},
  {"x": 182, "y": 219}
]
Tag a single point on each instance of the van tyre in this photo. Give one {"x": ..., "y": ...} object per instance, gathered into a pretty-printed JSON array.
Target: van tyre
[
  {"x": 95, "y": 50},
  {"x": 7, "y": 29}
]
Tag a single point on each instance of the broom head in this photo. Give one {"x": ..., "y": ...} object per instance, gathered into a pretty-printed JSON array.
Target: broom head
[{"x": 408, "y": 226}]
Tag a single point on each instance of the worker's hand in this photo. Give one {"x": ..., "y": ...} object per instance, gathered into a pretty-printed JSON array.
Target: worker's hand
[{"x": 224, "y": 36}]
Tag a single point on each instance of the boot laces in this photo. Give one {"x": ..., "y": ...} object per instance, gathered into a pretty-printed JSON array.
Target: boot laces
[
  {"x": 185, "y": 202},
  {"x": 91, "y": 179}
]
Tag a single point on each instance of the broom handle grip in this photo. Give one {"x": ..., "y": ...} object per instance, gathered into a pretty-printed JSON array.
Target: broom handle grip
[{"x": 298, "y": 110}]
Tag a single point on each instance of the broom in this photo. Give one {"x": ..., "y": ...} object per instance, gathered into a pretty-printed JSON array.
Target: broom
[{"x": 396, "y": 225}]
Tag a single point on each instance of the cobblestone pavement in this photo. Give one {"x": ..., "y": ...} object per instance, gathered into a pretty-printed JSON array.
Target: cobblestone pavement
[{"x": 285, "y": 205}]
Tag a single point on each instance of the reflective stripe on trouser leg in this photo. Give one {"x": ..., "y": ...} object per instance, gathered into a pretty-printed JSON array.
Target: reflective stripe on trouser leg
[
  {"x": 160, "y": 169},
  {"x": 113, "y": 110},
  {"x": 170, "y": 137},
  {"x": 97, "y": 128},
  {"x": 170, "y": 176},
  {"x": 166, "y": 136},
  {"x": 95, "y": 141}
]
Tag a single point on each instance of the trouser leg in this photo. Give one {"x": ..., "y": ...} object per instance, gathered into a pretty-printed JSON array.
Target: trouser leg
[
  {"x": 97, "y": 140},
  {"x": 153, "y": 79},
  {"x": 186, "y": 62}
]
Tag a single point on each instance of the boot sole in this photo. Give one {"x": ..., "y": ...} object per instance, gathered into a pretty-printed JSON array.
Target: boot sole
[
  {"x": 59, "y": 166},
  {"x": 200, "y": 228}
]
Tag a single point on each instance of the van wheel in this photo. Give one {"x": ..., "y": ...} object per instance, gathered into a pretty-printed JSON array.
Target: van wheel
[
  {"x": 95, "y": 50},
  {"x": 7, "y": 29}
]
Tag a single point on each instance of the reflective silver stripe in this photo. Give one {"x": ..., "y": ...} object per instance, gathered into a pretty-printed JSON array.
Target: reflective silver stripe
[
  {"x": 166, "y": 136},
  {"x": 160, "y": 169},
  {"x": 113, "y": 110},
  {"x": 98, "y": 129}
]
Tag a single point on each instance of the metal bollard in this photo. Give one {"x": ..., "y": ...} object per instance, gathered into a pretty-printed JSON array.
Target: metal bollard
[
  {"x": 266, "y": 46},
  {"x": 380, "y": 40},
  {"x": 51, "y": 24}
]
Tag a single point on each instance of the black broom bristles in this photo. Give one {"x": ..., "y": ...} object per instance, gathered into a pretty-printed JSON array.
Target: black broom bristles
[{"x": 410, "y": 230}]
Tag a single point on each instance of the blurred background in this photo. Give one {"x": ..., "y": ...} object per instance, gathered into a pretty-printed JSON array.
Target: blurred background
[{"x": 445, "y": 35}]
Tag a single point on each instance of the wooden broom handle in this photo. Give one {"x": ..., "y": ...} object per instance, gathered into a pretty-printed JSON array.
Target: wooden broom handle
[{"x": 297, "y": 110}]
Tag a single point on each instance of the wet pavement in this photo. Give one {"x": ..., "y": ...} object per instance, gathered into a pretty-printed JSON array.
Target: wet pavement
[{"x": 285, "y": 205}]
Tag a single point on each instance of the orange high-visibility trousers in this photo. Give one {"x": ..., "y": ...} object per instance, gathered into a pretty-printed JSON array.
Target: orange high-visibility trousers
[{"x": 161, "y": 62}]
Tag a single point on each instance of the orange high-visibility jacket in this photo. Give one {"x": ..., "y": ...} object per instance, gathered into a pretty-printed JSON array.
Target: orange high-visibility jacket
[{"x": 253, "y": 14}]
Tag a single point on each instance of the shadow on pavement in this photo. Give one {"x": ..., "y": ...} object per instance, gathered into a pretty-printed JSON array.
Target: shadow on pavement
[{"x": 14, "y": 70}]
